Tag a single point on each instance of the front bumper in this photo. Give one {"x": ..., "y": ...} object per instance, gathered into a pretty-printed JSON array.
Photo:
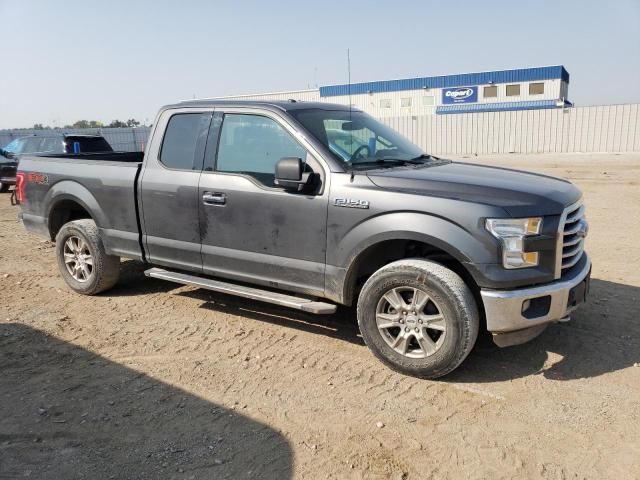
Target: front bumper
[{"x": 511, "y": 322}]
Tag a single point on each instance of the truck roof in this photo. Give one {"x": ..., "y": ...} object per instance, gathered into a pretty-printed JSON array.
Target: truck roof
[{"x": 284, "y": 105}]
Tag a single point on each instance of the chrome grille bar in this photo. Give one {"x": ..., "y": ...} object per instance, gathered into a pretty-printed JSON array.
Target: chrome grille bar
[{"x": 570, "y": 245}]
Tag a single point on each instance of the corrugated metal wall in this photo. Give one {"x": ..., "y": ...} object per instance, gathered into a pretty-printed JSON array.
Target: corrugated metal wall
[{"x": 607, "y": 128}]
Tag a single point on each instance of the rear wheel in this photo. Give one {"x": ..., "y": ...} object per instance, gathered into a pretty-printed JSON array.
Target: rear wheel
[
  {"x": 82, "y": 260},
  {"x": 4, "y": 187},
  {"x": 418, "y": 317}
]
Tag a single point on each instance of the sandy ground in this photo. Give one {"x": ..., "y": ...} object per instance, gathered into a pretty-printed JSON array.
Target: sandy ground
[{"x": 154, "y": 381}]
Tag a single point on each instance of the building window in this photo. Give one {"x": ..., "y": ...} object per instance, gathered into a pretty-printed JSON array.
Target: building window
[
  {"x": 405, "y": 102},
  {"x": 536, "y": 88},
  {"x": 385, "y": 103},
  {"x": 428, "y": 100},
  {"x": 490, "y": 92},
  {"x": 513, "y": 90}
]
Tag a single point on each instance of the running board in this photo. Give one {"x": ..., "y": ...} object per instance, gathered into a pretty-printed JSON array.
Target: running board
[{"x": 299, "y": 303}]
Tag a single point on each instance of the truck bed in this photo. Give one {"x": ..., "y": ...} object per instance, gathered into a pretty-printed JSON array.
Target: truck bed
[{"x": 102, "y": 183}]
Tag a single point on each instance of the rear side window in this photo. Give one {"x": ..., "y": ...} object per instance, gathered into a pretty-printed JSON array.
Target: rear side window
[
  {"x": 253, "y": 144},
  {"x": 184, "y": 141}
]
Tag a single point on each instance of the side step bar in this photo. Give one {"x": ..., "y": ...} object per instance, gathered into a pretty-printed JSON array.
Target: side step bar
[{"x": 299, "y": 303}]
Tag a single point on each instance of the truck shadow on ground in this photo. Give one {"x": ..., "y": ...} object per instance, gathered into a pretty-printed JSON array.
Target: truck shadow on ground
[{"x": 68, "y": 413}]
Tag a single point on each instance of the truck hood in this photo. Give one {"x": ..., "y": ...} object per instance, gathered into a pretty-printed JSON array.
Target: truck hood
[{"x": 520, "y": 193}]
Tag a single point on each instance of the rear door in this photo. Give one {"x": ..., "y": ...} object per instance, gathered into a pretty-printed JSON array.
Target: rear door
[
  {"x": 169, "y": 188},
  {"x": 253, "y": 230}
]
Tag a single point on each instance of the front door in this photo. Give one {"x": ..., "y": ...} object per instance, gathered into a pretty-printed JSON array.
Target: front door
[{"x": 253, "y": 230}]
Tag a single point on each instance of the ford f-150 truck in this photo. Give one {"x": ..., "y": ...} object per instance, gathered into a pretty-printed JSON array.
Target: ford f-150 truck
[{"x": 314, "y": 205}]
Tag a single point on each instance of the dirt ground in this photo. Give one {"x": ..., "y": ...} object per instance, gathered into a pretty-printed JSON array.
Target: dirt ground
[{"x": 151, "y": 380}]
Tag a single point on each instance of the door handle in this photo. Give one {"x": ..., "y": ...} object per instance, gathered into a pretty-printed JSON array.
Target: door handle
[{"x": 209, "y": 198}]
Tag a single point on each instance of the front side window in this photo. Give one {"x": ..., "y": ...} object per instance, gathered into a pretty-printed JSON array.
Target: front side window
[
  {"x": 253, "y": 144},
  {"x": 32, "y": 145},
  {"x": 513, "y": 90},
  {"x": 184, "y": 141},
  {"x": 357, "y": 138}
]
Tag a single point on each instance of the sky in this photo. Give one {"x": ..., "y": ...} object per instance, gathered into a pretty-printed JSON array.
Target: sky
[{"x": 67, "y": 60}]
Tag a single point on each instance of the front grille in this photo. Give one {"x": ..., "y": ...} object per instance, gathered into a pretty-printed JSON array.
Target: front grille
[{"x": 573, "y": 232}]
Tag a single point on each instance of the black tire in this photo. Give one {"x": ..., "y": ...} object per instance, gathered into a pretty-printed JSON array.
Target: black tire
[
  {"x": 4, "y": 188},
  {"x": 105, "y": 269},
  {"x": 449, "y": 294}
]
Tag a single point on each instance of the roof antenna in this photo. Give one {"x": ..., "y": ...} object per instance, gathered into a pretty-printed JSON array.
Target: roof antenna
[{"x": 349, "y": 92}]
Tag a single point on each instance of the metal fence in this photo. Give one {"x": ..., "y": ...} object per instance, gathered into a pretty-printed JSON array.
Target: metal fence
[
  {"x": 607, "y": 128},
  {"x": 120, "y": 139}
]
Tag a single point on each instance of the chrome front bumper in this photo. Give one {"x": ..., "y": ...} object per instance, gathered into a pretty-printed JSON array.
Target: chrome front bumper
[{"x": 504, "y": 308}]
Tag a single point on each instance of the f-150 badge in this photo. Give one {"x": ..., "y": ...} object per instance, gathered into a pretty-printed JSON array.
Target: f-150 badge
[{"x": 351, "y": 203}]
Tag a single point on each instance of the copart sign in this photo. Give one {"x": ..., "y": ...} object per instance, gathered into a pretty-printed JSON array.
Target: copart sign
[{"x": 459, "y": 95}]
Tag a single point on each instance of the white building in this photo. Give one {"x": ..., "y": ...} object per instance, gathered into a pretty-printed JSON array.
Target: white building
[{"x": 504, "y": 90}]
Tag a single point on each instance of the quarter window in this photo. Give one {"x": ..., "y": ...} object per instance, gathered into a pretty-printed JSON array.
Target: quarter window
[
  {"x": 184, "y": 141},
  {"x": 490, "y": 92},
  {"x": 252, "y": 145},
  {"x": 513, "y": 90},
  {"x": 536, "y": 88}
]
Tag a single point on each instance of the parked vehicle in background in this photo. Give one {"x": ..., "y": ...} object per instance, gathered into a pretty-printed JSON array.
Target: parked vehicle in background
[
  {"x": 50, "y": 143},
  {"x": 8, "y": 166},
  {"x": 315, "y": 205}
]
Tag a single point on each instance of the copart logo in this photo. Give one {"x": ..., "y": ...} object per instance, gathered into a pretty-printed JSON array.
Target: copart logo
[{"x": 460, "y": 93}]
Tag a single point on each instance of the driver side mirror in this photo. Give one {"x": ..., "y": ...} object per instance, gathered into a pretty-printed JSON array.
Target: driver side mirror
[{"x": 290, "y": 174}]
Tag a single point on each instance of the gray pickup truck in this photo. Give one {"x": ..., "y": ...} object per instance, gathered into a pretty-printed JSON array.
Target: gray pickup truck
[{"x": 311, "y": 205}]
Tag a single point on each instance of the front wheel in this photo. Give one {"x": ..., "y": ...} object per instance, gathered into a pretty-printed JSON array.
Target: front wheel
[
  {"x": 418, "y": 317},
  {"x": 82, "y": 260}
]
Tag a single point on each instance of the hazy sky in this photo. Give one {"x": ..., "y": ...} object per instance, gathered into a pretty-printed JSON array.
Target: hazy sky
[{"x": 67, "y": 60}]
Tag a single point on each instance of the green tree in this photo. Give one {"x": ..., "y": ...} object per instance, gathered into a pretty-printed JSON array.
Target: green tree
[
  {"x": 132, "y": 122},
  {"x": 87, "y": 124},
  {"x": 39, "y": 126},
  {"x": 116, "y": 124}
]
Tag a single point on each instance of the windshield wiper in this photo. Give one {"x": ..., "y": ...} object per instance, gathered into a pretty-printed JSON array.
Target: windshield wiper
[
  {"x": 381, "y": 162},
  {"x": 424, "y": 156}
]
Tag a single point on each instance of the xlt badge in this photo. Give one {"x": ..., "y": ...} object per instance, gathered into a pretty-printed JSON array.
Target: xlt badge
[{"x": 351, "y": 203}]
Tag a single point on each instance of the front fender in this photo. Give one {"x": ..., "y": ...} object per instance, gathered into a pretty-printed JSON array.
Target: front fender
[
  {"x": 436, "y": 231},
  {"x": 458, "y": 242}
]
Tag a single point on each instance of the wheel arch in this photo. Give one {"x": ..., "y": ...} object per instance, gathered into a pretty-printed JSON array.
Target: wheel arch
[{"x": 67, "y": 201}]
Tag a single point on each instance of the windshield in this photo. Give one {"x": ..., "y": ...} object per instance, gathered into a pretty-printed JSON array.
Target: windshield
[{"x": 358, "y": 139}]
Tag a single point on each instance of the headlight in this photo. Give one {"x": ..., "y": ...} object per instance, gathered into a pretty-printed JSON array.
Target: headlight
[{"x": 511, "y": 233}]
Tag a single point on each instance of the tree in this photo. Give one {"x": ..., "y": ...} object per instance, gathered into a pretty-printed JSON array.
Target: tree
[
  {"x": 116, "y": 124},
  {"x": 39, "y": 126},
  {"x": 87, "y": 124},
  {"x": 133, "y": 123}
]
